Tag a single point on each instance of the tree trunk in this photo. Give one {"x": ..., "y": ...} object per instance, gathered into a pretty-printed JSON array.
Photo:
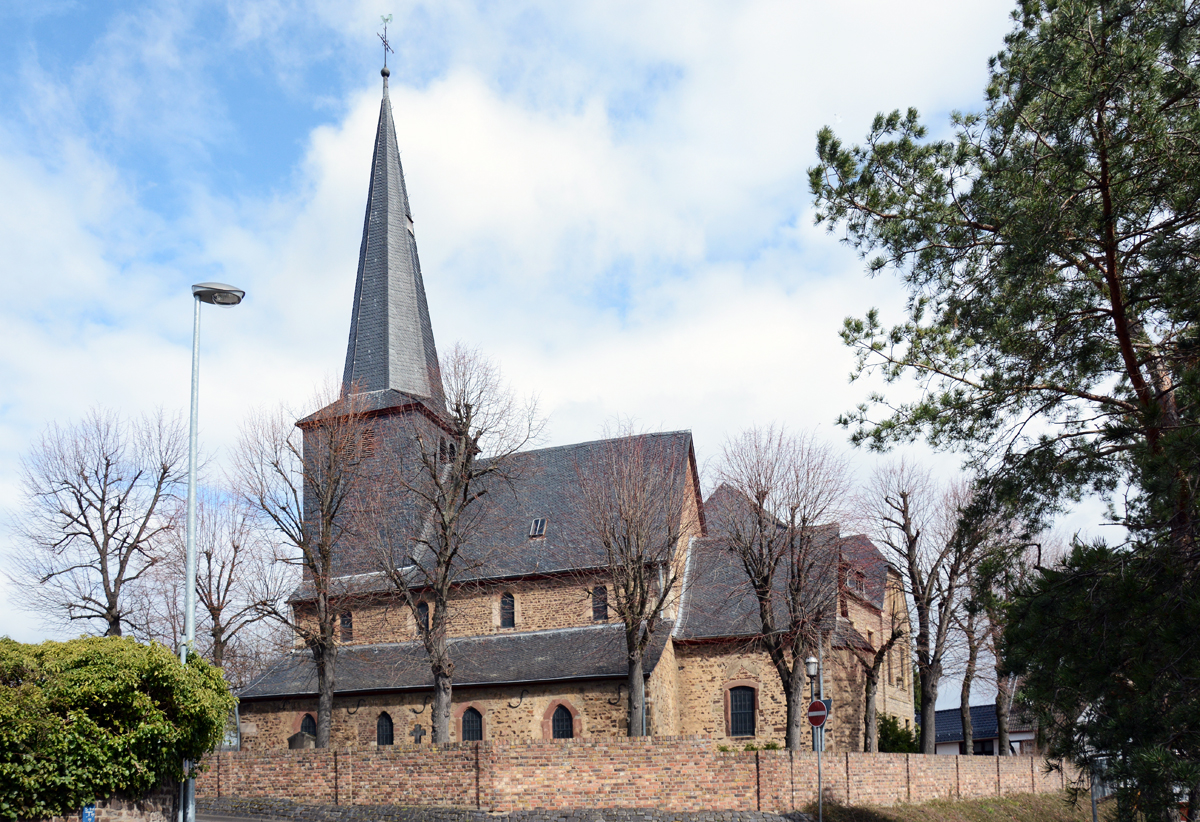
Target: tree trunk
[
  {"x": 442, "y": 693},
  {"x": 325, "y": 679},
  {"x": 929, "y": 688},
  {"x": 793, "y": 692},
  {"x": 964, "y": 703},
  {"x": 1002, "y": 700},
  {"x": 870, "y": 719},
  {"x": 218, "y": 646},
  {"x": 637, "y": 695}
]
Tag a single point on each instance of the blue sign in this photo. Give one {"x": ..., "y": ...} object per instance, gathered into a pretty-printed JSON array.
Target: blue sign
[{"x": 87, "y": 813}]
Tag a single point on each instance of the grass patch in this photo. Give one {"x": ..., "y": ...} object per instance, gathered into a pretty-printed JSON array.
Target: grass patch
[{"x": 1050, "y": 807}]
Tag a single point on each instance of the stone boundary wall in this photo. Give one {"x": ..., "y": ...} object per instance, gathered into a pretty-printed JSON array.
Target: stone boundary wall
[
  {"x": 161, "y": 805},
  {"x": 667, "y": 773}
]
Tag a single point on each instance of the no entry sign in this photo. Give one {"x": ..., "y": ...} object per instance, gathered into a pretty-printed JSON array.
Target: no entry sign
[{"x": 818, "y": 712}]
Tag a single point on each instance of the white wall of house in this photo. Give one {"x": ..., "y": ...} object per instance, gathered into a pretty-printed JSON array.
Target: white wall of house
[{"x": 1022, "y": 742}]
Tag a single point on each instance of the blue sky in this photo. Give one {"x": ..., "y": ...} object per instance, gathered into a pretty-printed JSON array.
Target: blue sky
[{"x": 610, "y": 199}]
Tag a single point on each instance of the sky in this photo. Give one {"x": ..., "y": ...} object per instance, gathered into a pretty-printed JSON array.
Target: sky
[{"x": 610, "y": 200}]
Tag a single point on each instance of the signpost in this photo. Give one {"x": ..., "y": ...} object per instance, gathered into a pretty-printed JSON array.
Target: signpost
[{"x": 818, "y": 713}]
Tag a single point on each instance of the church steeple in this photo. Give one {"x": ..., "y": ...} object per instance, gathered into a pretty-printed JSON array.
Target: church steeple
[{"x": 391, "y": 338}]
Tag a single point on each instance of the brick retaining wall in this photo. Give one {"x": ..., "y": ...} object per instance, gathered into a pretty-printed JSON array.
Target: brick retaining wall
[{"x": 675, "y": 774}]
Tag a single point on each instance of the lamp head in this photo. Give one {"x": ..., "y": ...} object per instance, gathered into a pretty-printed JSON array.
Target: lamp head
[
  {"x": 217, "y": 294},
  {"x": 810, "y": 666}
]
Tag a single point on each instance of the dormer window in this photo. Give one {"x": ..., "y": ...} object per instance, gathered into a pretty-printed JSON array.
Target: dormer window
[{"x": 537, "y": 529}]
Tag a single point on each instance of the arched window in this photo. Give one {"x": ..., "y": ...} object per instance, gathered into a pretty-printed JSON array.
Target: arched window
[
  {"x": 599, "y": 604},
  {"x": 563, "y": 724},
  {"x": 472, "y": 726},
  {"x": 508, "y": 611},
  {"x": 383, "y": 730},
  {"x": 308, "y": 725},
  {"x": 347, "y": 625},
  {"x": 741, "y": 711},
  {"x": 423, "y": 615}
]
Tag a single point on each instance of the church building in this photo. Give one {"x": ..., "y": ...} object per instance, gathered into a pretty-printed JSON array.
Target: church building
[{"x": 537, "y": 651}]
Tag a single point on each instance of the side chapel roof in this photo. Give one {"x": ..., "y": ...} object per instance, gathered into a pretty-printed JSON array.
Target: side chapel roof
[{"x": 589, "y": 652}]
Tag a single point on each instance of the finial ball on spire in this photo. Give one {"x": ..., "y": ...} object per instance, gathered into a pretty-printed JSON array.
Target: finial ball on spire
[{"x": 385, "y": 72}]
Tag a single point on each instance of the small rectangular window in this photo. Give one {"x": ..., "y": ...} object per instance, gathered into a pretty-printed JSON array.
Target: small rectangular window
[
  {"x": 538, "y": 528},
  {"x": 599, "y": 604},
  {"x": 741, "y": 711},
  {"x": 508, "y": 611},
  {"x": 347, "y": 624}
]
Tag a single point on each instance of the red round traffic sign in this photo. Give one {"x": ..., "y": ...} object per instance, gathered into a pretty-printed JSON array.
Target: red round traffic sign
[{"x": 817, "y": 713}]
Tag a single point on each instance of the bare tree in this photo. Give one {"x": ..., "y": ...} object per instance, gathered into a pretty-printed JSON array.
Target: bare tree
[
  {"x": 237, "y": 580},
  {"x": 919, "y": 524},
  {"x": 792, "y": 486},
  {"x": 461, "y": 464},
  {"x": 96, "y": 514},
  {"x": 301, "y": 478},
  {"x": 631, "y": 495}
]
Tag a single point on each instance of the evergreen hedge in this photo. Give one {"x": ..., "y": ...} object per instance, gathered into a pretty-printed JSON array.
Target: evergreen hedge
[{"x": 96, "y": 716}]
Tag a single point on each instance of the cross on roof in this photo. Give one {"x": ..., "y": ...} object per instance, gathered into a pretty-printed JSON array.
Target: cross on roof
[{"x": 386, "y": 47}]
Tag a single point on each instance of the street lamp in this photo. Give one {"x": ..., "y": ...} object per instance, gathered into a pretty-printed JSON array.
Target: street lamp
[
  {"x": 812, "y": 667},
  {"x": 213, "y": 294}
]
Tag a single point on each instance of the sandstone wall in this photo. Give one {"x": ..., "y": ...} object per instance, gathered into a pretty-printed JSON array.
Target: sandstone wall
[{"x": 508, "y": 712}]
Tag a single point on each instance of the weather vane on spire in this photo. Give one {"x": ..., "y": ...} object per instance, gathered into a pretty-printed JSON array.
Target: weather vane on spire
[{"x": 386, "y": 47}]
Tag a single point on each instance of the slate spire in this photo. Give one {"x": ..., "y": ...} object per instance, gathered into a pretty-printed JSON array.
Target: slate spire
[{"x": 391, "y": 338}]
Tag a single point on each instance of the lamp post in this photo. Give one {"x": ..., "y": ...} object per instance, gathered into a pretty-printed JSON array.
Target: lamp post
[
  {"x": 213, "y": 294},
  {"x": 812, "y": 667}
]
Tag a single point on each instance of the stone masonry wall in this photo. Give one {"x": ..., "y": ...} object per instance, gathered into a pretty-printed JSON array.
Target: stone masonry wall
[
  {"x": 677, "y": 774},
  {"x": 160, "y": 805},
  {"x": 508, "y": 713}
]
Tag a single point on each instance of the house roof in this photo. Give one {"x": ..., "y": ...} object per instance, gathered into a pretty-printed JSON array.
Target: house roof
[
  {"x": 391, "y": 345},
  {"x": 590, "y": 652},
  {"x": 547, "y": 486},
  {"x": 983, "y": 723}
]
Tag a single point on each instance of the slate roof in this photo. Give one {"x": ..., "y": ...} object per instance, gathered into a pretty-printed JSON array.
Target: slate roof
[
  {"x": 590, "y": 652},
  {"x": 719, "y": 601},
  {"x": 983, "y": 723},
  {"x": 547, "y": 487},
  {"x": 864, "y": 556},
  {"x": 391, "y": 343}
]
